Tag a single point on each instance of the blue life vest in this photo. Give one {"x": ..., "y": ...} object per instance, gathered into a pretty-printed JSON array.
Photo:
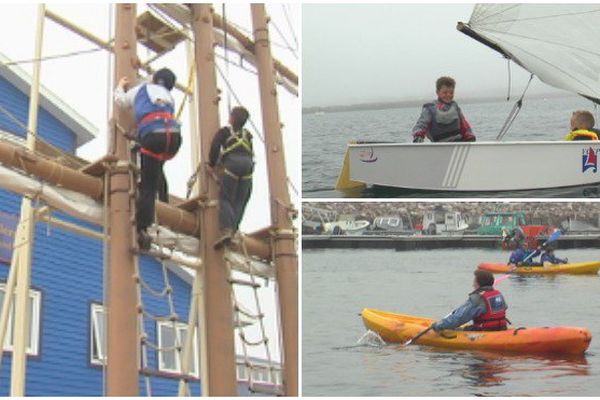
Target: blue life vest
[{"x": 154, "y": 110}]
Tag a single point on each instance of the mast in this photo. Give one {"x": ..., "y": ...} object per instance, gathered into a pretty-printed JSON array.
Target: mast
[
  {"x": 218, "y": 360},
  {"x": 122, "y": 340},
  {"x": 25, "y": 235},
  {"x": 284, "y": 250}
]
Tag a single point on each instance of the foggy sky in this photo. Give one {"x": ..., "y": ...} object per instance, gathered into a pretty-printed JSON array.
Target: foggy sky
[{"x": 357, "y": 53}]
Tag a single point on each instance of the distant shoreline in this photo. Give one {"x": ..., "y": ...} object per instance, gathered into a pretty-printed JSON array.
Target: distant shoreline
[{"x": 385, "y": 105}]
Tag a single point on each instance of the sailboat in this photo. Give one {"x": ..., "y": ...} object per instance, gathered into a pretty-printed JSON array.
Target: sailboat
[{"x": 555, "y": 42}]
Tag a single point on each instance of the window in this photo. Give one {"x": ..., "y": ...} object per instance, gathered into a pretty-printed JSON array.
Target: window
[
  {"x": 169, "y": 360},
  {"x": 242, "y": 374},
  {"x": 98, "y": 335},
  {"x": 34, "y": 322}
]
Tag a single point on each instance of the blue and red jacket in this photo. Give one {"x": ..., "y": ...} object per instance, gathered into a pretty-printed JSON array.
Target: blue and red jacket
[{"x": 154, "y": 110}]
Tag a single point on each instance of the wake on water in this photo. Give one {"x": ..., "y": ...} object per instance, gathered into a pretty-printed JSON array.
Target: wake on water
[{"x": 369, "y": 339}]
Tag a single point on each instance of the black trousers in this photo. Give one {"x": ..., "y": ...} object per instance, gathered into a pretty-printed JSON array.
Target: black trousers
[
  {"x": 235, "y": 190},
  {"x": 153, "y": 180}
]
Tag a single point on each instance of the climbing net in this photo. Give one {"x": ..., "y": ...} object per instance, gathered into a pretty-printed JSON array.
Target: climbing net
[{"x": 256, "y": 314}]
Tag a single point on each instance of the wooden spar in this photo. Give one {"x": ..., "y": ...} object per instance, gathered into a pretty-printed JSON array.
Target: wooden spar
[
  {"x": 25, "y": 235},
  {"x": 176, "y": 219},
  {"x": 50, "y": 171},
  {"x": 284, "y": 247},
  {"x": 218, "y": 359},
  {"x": 181, "y": 15},
  {"x": 122, "y": 335},
  {"x": 251, "y": 47}
]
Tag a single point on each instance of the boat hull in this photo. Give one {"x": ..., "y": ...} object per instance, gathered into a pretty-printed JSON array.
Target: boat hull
[
  {"x": 475, "y": 166},
  {"x": 590, "y": 267},
  {"x": 398, "y": 328}
]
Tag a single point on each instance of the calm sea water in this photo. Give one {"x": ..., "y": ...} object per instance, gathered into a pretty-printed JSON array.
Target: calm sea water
[
  {"x": 338, "y": 284},
  {"x": 324, "y": 139}
]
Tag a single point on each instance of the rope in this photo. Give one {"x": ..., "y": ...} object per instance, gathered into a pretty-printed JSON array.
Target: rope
[
  {"x": 53, "y": 57},
  {"x": 226, "y": 52},
  {"x": 289, "y": 47},
  {"x": 290, "y": 26},
  {"x": 14, "y": 119},
  {"x": 513, "y": 113},
  {"x": 509, "y": 79}
]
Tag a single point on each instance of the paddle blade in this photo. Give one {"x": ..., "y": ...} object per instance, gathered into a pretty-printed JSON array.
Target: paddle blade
[{"x": 554, "y": 236}]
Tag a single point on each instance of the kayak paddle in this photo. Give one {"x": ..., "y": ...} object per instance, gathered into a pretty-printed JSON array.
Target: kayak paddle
[
  {"x": 424, "y": 331},
  {"x": 551, "y": 239}
]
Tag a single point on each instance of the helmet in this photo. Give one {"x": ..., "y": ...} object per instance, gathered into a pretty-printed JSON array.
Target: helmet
[{"x": 164, "y": 77}]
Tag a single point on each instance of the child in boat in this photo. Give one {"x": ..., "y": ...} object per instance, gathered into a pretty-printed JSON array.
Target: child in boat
[
  {"x": 523, "y": 257},
  {"x": 442, "y": 120},
  {"x": 485, "y": 306},
  {"x": 548, "y": 258},
  {"x": 582, "y": 126}
]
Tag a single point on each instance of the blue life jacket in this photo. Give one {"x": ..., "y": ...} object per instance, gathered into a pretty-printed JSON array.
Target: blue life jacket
[
  {"x": 154, "y": 110},
  {"x": 521, "y": 254}
]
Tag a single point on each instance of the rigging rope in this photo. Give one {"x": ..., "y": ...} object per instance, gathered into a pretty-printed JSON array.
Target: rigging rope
[
  {"x": 53, "y": 57},
  {"x": 513, "y": 113},
  {"x": 290, "y": 26},
  {"x": 288, "y": 46},
  {"x": 509, "y": 79}
]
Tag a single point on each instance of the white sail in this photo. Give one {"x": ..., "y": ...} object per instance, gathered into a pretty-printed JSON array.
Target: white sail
[{"x": 559, "y": 43}]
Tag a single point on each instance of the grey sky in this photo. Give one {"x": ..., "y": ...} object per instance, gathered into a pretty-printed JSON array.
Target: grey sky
[{"x": 359, "y": 53}]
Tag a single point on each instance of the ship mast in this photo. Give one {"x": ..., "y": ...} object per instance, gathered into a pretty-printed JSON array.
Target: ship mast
[{"x": 283, "y": 243}]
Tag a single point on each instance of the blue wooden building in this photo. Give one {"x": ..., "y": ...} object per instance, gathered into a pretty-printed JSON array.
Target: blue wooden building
[{"x": 67, "y": 340}]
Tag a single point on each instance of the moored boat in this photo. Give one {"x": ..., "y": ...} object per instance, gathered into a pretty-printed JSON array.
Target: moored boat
[
  {"x": 399, "y": 328},
  {"x": 580, "y": 268}
]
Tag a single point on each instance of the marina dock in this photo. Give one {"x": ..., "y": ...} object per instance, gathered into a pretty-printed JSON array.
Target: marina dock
[{"x": 426, "y": 242}]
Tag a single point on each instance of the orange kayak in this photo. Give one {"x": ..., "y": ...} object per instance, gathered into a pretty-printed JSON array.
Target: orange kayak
[
  {"x": 399, "y": 328},
  {"x": 588, "y": 267}
]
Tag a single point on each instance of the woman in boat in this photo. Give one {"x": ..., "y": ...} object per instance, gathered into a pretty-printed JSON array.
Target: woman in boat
[
  {"x": 548, "y": 258},
  {"x": 485, "y": 307},
  {"x": 442, "y": 120},
  {"x": 582, "y": 126}
]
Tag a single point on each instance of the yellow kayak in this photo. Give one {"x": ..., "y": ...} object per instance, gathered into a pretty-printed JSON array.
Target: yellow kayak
[
  {"x": 588, "y": 267},
  {"x": 399, "y": 328}
]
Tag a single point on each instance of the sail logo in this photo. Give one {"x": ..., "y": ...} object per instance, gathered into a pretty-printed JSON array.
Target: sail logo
[
  {"x": 367, "y": 155},
  {"x": 590, "y": 160}
]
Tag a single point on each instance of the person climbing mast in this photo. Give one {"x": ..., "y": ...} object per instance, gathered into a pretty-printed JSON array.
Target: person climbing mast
[
  {"x": 159, "y": 138},
  {"x": 231, "y": 148}
]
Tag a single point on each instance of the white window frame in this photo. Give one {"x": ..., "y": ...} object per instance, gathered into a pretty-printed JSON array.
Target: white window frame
[
  {"x": 182, "y": 327},
  {"x": 97, "y": 311},
  {"x": 34, "y": 327}
]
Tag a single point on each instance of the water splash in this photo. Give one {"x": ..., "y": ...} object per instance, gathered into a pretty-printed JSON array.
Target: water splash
[{"x": 369, "y": 339}]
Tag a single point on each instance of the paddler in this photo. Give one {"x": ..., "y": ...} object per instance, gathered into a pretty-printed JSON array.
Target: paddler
[
  {"x": 442, "y": 120},
  {"x": 522, "y": 256},
  {"x": 485, "y": 307},
  {"x": 548, "y": 258}
]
